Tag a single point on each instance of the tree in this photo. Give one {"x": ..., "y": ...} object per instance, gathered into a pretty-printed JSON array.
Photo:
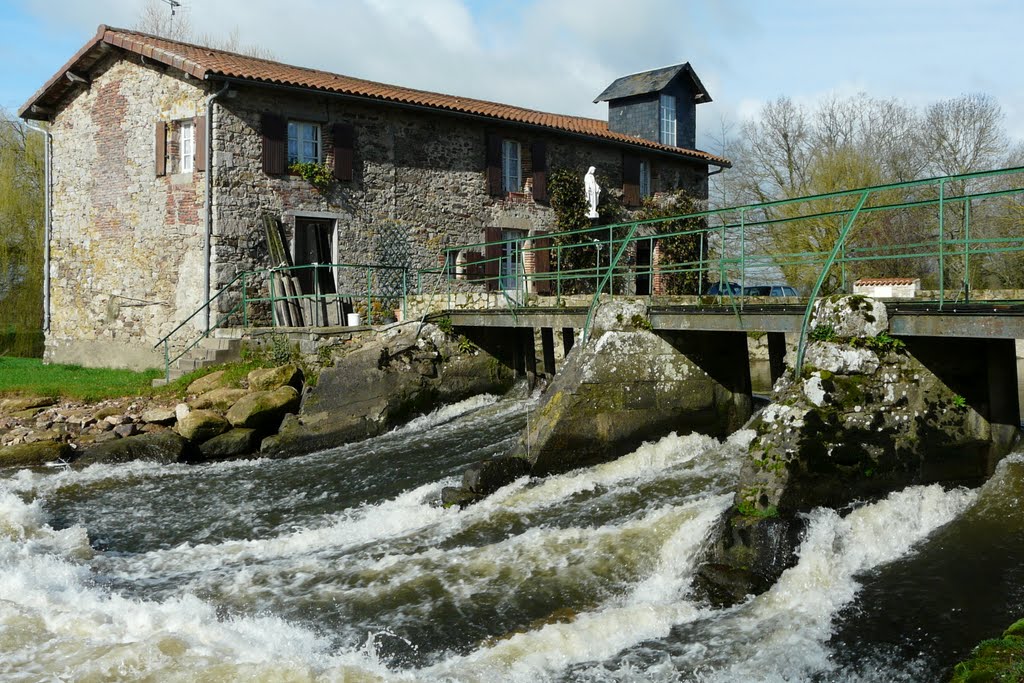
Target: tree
[
  {"x": 791, "y": 151},
  {"x": 682, "y": 244},
  {"x": 22, "y": 169},
  {"x": 155, "y": 19}
]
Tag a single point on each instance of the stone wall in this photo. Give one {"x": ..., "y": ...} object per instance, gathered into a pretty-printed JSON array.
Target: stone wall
[
  {"x": 420, "y": 174},
  {"x": 127, "y": 244},
  {"x": 126, "y": 252}
]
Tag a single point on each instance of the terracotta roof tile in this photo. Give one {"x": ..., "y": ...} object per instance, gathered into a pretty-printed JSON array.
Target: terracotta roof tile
[
  {"x": 884, "y": 281},
  {"x": 204, "y": 62}
]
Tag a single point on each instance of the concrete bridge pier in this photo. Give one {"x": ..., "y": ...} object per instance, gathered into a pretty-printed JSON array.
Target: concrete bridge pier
[
  {"x": 1003, "y": 400},
  {"x": 547, "y": 343},
  {"x": 983, "y": 371},
  {"x": 776, "y": 355},
  {"x": 725, "y": 359}
]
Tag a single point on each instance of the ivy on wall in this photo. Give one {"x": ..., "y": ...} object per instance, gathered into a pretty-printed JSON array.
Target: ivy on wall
[
  {"x": 577, "y": 252},
  {"x": 680, "y": 254}
]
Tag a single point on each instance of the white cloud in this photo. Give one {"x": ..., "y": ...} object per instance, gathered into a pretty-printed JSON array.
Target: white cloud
[{"x": 557, "y": 55}]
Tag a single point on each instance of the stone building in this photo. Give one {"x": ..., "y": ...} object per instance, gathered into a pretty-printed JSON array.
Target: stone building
[{"x": 165, "y": 156}]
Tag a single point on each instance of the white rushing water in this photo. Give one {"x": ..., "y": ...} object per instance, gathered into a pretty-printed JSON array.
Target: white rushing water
[{"x": 355, "y": 591}]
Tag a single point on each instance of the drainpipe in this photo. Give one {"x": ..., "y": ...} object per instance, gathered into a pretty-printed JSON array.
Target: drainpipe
[
  {"x": 208, "y": 220},
  {"x": 47, "y": 143}
]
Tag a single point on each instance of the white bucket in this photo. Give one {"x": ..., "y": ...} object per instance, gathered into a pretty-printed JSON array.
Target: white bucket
[{"x": 353, "y": 319}]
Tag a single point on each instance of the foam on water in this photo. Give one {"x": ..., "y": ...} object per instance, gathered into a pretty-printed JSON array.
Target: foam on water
[
  {"x": 446, "y": 414},
  {"x": 648, "y": 610},
  {"x": 624, "y": 578},
  {"x": 55, "y": 623},
  {"x": 783, "y": 634}
]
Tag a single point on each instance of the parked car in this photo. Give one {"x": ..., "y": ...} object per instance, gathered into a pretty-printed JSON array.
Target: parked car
[
  {"x": 769, "y": 290},
  {"x": 725, "y": 288}
]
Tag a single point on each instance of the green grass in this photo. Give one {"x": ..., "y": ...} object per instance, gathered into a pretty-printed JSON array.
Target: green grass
[
  {"x": 31, "y": 377},
  {"x": 999, "y": 660}
]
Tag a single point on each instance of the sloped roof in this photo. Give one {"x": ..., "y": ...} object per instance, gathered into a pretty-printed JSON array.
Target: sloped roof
[
  {"x": 652, "y": 81},
  {"x": 883, "y": 281},
  {"x": 208, "y": 63}
]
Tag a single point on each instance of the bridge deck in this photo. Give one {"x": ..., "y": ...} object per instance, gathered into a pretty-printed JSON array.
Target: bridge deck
[{"x": 991, "y": 320}]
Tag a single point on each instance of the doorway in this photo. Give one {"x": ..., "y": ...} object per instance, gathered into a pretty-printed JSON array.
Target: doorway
[
  {"x": 510, "y": 268},
  {"x": 314, "y": 243}
]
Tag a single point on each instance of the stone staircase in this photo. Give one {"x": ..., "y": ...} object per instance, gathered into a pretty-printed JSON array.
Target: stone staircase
[{"x": 221, "y": 348}]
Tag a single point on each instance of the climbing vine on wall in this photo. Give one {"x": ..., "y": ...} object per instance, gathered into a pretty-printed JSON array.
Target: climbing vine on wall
[
  {"x": 680, "y": 254},
  {"x": 578, "y": 252}
]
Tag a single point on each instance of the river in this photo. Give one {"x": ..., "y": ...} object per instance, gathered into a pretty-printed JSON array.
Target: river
[{"x": 340, "y": 566}]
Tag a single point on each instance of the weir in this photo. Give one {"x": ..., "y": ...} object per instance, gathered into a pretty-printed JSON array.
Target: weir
[{"x": 970, "y": 347}]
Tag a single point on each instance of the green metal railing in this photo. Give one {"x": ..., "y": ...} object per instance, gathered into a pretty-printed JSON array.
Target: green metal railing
[
  {"x": 278, "y": 297},
  {"x": 955, "y": 224}
]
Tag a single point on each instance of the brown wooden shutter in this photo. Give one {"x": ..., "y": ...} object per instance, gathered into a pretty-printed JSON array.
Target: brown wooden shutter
[
  {"x": 161, "y": 148},
  {"x": 473, "y": 266},
  {"x": 275, "y": 144},
  {"x": 344, "y": 144},
  {"x": 631, "y": 180},
  {"x": 199, "y": 126},
  {"x": 542, "y": 261},
  {"x": 538, "y": 152},
  {"x": 494, "y": 165},
  {"x": 492, "y": 256}
]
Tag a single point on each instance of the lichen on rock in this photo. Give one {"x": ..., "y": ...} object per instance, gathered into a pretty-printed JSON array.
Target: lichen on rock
[{"x": 856, "y": 425}]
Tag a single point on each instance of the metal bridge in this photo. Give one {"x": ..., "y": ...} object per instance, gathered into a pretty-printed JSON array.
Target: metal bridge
[{"x": 961, "y": 237}]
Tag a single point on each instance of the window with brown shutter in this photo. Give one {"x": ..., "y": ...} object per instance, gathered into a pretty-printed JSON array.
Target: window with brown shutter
[
  {"x": 630, "y": 180},
  {"x": 200, "y": 152},
  {"x": 493, "y": 163},
  {"x": 161, "y": 148},
  {"x": 542, "y": 262},
  {"x": 344, "y": 144},
  {"x": 538, "y": 153},
  {"x": 275, "y": 144},
  {"x": 492, "y": 256}
]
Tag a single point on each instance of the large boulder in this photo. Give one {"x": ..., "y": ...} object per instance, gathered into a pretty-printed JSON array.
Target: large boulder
[
  {"x": 206, "y": 383},
  {"x": 35, "y": 454},
  {"x": 864, "y": 418},
  {"x": 221, "y": 398},
  {"x": 630, "y": 385},
  {"x": 851, "y": 316},
  {"x": 201, "y": 425},
  {"x": 264, "y": 410},
  {"x": 488, "y": 476},
  {"x": 231, "y": 444},
  {"x": 162, "y": 447},
  {"x": 268, "y": 379},
  {"x": 390, "y": 379}
]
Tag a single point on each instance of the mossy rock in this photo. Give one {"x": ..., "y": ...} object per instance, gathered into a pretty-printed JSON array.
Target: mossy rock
[
  {"x": 201, "y": 425},
  {"x": 268, "y": 379},
  {"x": 20, "y": 403},
  {"x": 206, "y": 383},
  {"x": 264, "y": 410},
  {"x": 231, "y": 444},
  {"x": 220, "y": 398},
  {"x": 1017, "y": 630},
  {"x": 164, "y": 447},
  {"x": 35, "y": 454}
]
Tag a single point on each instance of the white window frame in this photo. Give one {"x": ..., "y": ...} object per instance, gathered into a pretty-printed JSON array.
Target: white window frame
[
  {"x": 511, "y": 166},
  {"x": 667, "y": 107},
  {"x": 645, "y": 178},
  {"x": 186, "y": 146},
  {"x": 301, "y": 134}
]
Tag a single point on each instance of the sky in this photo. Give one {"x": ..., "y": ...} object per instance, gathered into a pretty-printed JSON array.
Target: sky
[{"x": 558, "y": 55}]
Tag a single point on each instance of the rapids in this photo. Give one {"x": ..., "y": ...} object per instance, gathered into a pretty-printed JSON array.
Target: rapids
[{"x": 340, "y": 566}]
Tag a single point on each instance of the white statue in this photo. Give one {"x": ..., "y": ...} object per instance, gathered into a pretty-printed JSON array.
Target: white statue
[{"x": 592, "y": 190}]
